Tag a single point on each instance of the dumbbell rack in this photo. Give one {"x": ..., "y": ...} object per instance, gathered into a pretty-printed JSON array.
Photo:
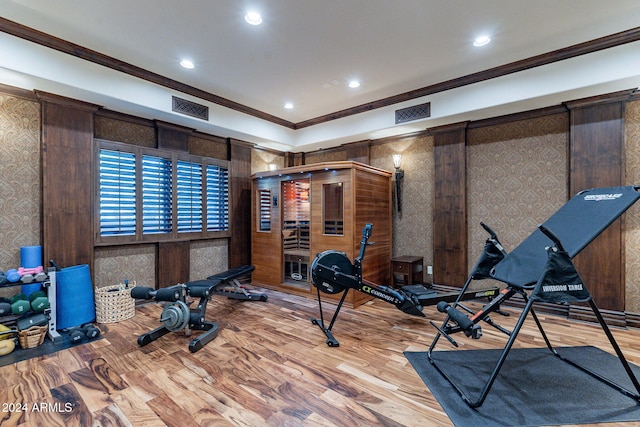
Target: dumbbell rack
[
  {"x": 50, "y": 284},
  {"x": 52, "y": 291}
]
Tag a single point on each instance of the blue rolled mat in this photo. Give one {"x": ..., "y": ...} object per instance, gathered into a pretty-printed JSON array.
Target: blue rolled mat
[{"x": 75, "y": 303}]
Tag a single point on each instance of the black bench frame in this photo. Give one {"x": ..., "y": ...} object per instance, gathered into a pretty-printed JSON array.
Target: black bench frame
[{"x": 224, "y": 284}]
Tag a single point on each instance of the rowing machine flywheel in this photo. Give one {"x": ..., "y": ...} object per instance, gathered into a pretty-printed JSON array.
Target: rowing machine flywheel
[
  {"x": 323, "y": 268},
  {"x": 175, "y": 316}
]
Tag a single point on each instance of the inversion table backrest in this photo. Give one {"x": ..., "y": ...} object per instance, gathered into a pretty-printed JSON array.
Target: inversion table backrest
[{"x": 576, "y": 224}]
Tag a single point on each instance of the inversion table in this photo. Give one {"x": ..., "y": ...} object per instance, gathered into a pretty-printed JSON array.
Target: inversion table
[{"x": 540, "y": 269}]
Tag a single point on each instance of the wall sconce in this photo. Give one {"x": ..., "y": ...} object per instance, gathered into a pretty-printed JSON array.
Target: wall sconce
[
  {"x": 397, "y": 161},
  {"x": 273, "y": 166}
]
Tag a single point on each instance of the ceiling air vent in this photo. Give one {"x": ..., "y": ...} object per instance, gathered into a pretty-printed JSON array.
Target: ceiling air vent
[
  {"x": 416, "y": 112},
  {"x": 189, "y": 108}
]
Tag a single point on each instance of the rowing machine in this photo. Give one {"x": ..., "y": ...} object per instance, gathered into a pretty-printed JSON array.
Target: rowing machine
[{"x": 332, "y": 273}]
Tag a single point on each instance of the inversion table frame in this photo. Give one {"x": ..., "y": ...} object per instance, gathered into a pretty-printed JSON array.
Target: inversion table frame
[{"x": 540, "y": 269}]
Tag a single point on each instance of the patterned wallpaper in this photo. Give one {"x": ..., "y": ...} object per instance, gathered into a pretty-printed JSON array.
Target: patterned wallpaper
[
  {"x": 208, "y": 257},
  {"x": 322, "y": 156},
  {"x": 516, "y": 178},
  {"x": 136, "y": 263},
  {"x": 123, "y": 131},
  {"x": 632, "y": 217},
  {"x": 412, "y": 229},
  {"x": 20, "y": 179},
  {"x": 113, "y": 265},
  {"x": 261, "y": 159},
  {"x": 216, "y": 149}
]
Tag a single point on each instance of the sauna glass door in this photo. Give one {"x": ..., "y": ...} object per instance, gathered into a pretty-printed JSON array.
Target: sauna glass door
[{"x": 296, "y": 216}]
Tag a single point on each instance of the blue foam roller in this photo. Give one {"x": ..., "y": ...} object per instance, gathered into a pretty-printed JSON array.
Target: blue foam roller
[
  {"x": 31, "y": 288},
  {"x": 30, "y": 256}
]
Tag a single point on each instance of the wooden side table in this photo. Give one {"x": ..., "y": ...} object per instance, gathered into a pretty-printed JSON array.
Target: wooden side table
[{"x": 410, "y": 267}]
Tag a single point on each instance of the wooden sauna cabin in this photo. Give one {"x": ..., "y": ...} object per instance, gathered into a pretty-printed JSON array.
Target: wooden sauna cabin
[{"x": 301, "y": 211}]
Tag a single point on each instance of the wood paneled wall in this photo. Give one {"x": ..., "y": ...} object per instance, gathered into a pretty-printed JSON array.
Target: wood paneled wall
[
  {"x": 173, "y": 263},
  {"x": 67, "y": 180},
  {"x": 359, "y": 152},
  {"x": 450, "y": 205},
  {"x": 240, "y": 204},
  {"x": 172, "y": 137},
  {"x": 597, "y": 160}
]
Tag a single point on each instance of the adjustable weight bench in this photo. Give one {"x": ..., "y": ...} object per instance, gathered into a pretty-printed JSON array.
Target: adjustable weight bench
[
  {"x": 177, "y": 314},
  {"x": 540, "y": 269}
]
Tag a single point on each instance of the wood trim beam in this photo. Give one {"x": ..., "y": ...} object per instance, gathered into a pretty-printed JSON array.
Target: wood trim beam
[
  {"x": 525, "y": 115},
  {"x": 116, "y": 115},
  {"x": 38, "y": 37},
  {"x": 64, "y": 46},
  {"x": 18, "y": 92},
  {"x": 573, "y": 51}
]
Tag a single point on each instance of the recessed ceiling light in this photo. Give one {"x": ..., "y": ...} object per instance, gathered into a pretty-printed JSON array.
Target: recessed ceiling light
[
  {"x": 354, "y": 84},
  {"x": 288, "y": 106},
  {"x": 481, "y": 41},
  {"x": 253, "y": 18},
  {"x": 187, "y": 64}
]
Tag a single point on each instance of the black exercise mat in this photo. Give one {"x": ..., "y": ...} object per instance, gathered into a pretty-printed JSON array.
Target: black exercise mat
[
  {"x": 47, "y": 347},
  {"x": 534, "y": 387}
]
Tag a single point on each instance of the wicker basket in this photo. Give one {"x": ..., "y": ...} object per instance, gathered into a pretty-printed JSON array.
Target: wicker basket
[
  {"x": 114, "y": 303},
  {"x": 32, "y": 337}
]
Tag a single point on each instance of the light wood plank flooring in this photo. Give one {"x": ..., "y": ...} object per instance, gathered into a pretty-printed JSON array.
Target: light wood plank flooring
[{"x": 269, "y": 366}]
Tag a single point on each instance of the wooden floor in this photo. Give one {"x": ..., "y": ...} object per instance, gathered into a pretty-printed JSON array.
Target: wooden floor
[{"x": 269, "y": 366}]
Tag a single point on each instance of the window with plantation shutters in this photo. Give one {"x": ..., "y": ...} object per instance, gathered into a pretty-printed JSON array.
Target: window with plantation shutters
[
  {"x": 151, "y": 195},
  {"x": 189, "y": 184},
  {"x": 157, "y": 206},
  {"x": 217, "y": 198},
  {"x": 117, "y": 171}
]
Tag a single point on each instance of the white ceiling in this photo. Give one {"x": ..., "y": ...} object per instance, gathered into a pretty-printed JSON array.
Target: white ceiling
[{"x": 306, "y": 51}]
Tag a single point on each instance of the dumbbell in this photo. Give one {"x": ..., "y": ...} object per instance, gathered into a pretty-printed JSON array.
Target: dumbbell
[
  {"x": 3, "y": 278},
  {"x": 28, "y": 275},
  {"x": 77, "y": 334},
  {"x": 5, "y": 306},
  {"x": 39, "y": 301},
  {"x": 19, "y": 304},
  {"x": 12, "y": 275}
]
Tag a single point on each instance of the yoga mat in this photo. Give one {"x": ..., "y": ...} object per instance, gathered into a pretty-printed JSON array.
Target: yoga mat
[
  {"x": 46, "y": 348},
  {"x": 75, "y": 300},
  {"x": 533, "y": 388}
]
